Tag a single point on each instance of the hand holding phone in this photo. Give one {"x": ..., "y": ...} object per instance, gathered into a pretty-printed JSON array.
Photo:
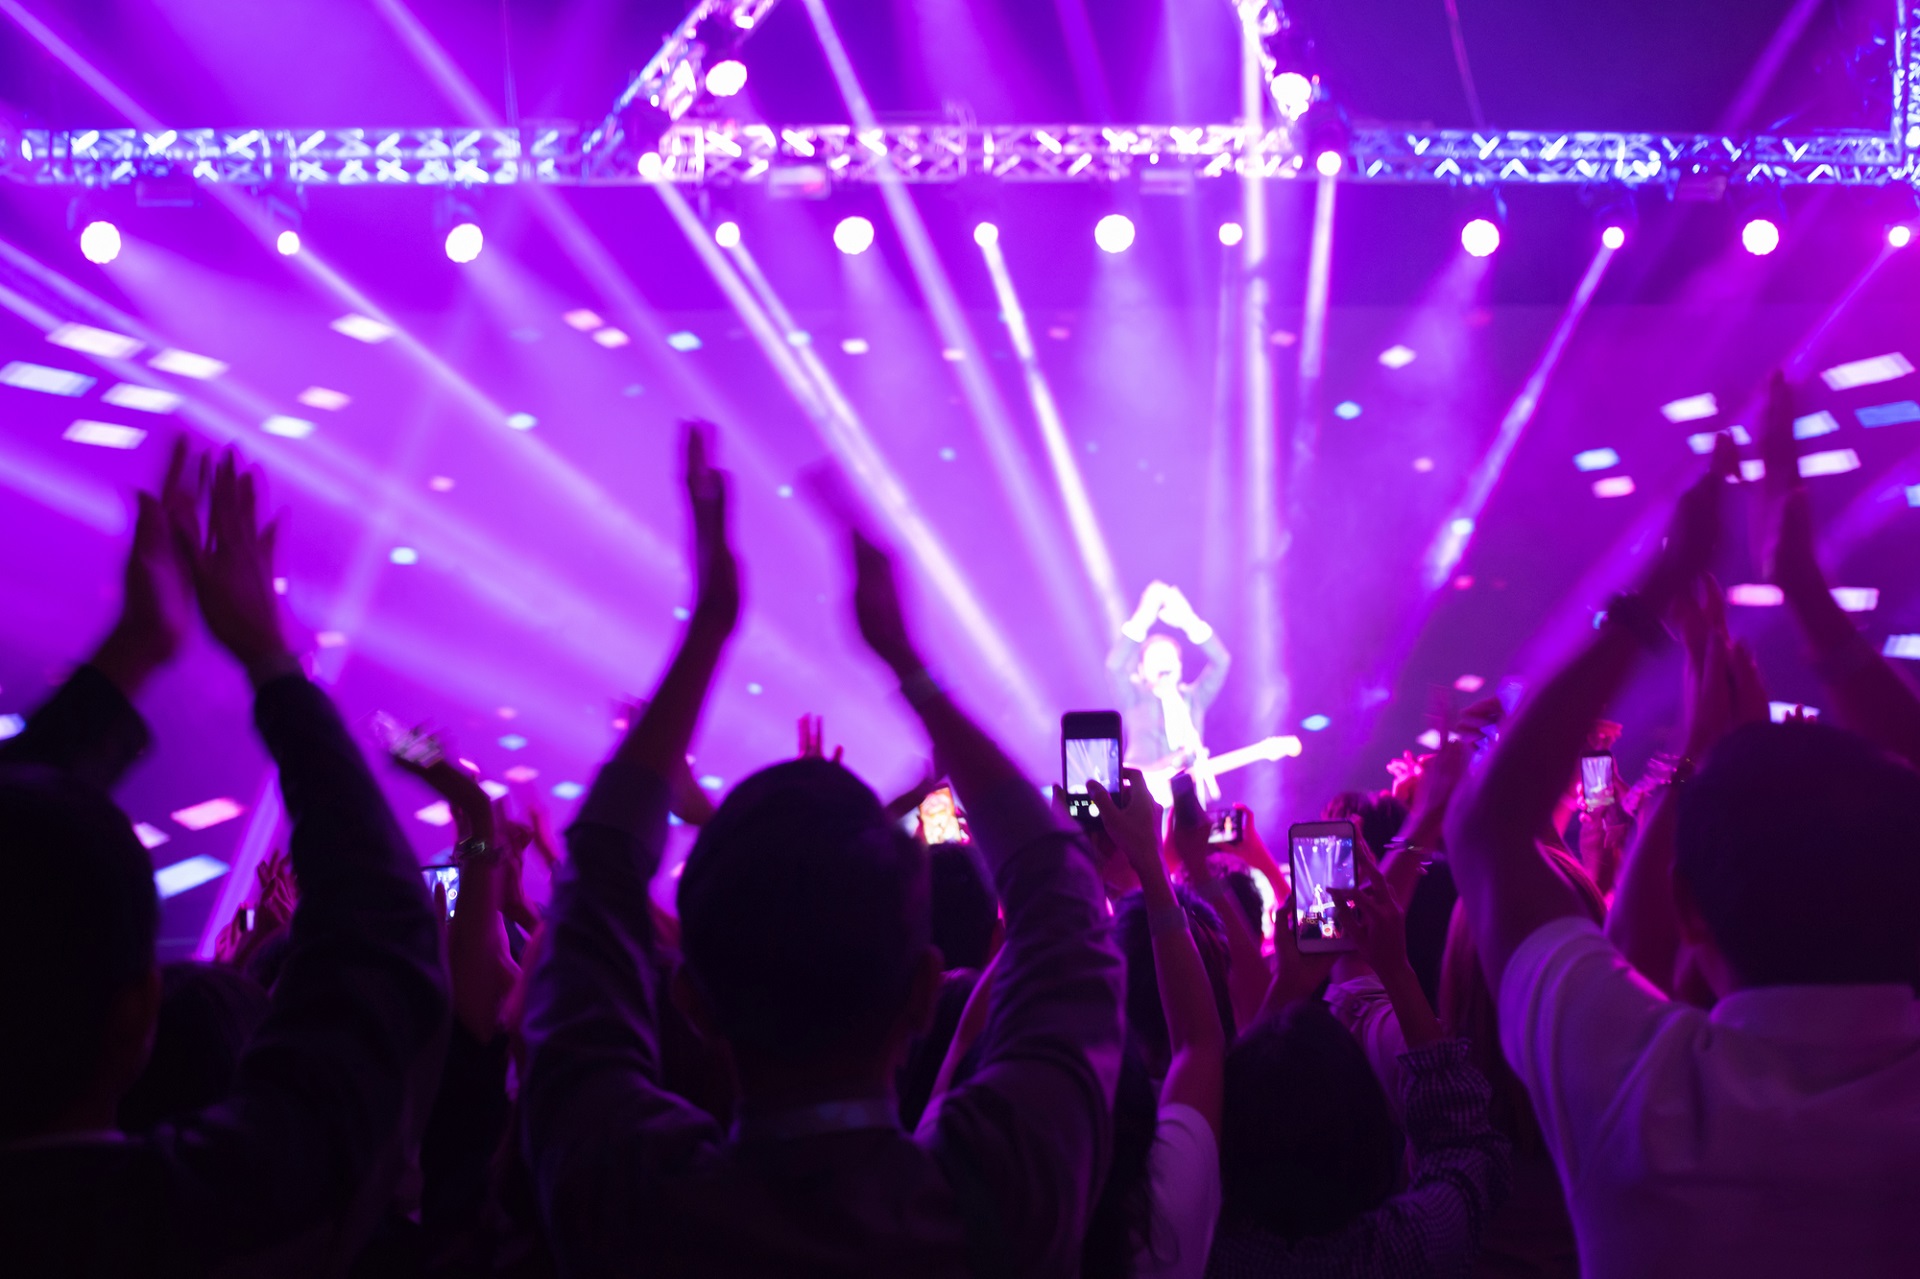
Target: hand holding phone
[
  {"x": 1322, "y": 858},
  {"x": 1226, "y": 828},
  {"x": 940, "y": 818},
  {"x": 447, "y": 875},
  {"x": 1596, "y": 780}
]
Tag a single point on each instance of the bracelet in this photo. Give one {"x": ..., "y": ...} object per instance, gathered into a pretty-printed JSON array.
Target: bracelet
[
  {"x": 1166, "y": 919},
  {"x": 474, "y": 851},
  {"x": 920, "y": 687},
  {"x": 1631, "y": 614}
]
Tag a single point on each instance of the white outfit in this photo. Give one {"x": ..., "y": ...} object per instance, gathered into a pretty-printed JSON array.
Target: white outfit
[
  {"x": 1184, "y": 1171},
  {"x": 1778, "y": 1134}
]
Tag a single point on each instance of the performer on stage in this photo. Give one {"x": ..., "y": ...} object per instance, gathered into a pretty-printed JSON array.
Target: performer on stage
[{"x": 1165, "y": 719}]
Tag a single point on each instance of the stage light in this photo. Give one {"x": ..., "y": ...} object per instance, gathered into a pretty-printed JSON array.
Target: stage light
[
  {"x": 441, "y": 484},
  {"x": 320, "y": 397},
  {"x": 584, "y": 320},
  {"x": 171, "y": 881},
  {"x": 187, "y": 364},
  {"x": 1346, "y": 410},
  {"x": 1614, "y": 486},
  {"x": 1899, "y": 237},
  {"x": 1755, "y": 595},
  {"x": 1831, "y": 462},
  {"x": 1329, "y": 164},
  {"x": 568, "y": 790},
  {"x": 727, "y": 235},
  {"x": 100, "y": 242},
  {"x": 208, "y": 813},
  {"x": 1703, "y": 442},
  {"x": 856, "y": 346},
  {"x": 1231, "y": 233},
  {"x": 1760, "y": 236},
  {"x": 1480, "y": 237},
  {"x": 1292, "y": 94},
  {"x": 1397, "y": 357},
  {"x": 611, "y": 337},
  {"x": 362, "y": 328},
  {"x": 1315, "y": 723},
  {"x": 522, "y": 421},
  {"x": 102, "y": 342},
  {"x": 12, "y": 726},
  {"x": 106, "y": 435},
  {"x": 288, "y": 242},
  {"x": 1691, "y": 408},
  {"x": 853, "y": 236},
  {"x": 1814, "y": 425},
  {"x": 147, "y": 399},
  {"x": 1907, "y": 646},
  {"x": 684, "y": 341},
  {"x": 438, "y": 813},
  {"x": 464, "y": 242},
  {"x": 403, "y": 555},
  {"x": 1854, "y": 373},
  {"x": 986, "y": 235},
  {"x": 1872, "y": 415},
  {"x": 42, "y": 377},
  {"x": 1856, "y": 599},
  {"x": 1114, "y": 233},
  {"x": 287, "y": 428},
  {"x": 513, "y": 742},
  {"x": 651, "y": 167},
  {"x": 724, "y": 79},
  {"x": 1470, "y": 683},
  {"x": 150, "y": 836},
  {"x": 1596, "y": 459},
  {"x": 1613, "y": 237}
]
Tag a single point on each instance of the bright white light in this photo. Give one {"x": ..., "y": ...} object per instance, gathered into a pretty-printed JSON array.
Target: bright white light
[
  {"x": 319, "y": 397},
  {"x": 100, "y": 242},
  {"x": 441, "y": 484},
  {"x": 1613, "y": 486},
  {"x": 171, "y": 881},
  {"x": 611, "y": 337},
  {"x": 12, "y": 726},
  {"x": 106, "y": 435},
  {"x": 1753, "y": 471},
  {"x": 1857, "y": 599},
  {"x": 1114, "y": 233},
  {"x": 438, "y": 813},
  {"x": 1813, "y": 424},
  {"x": 187, "y": 364},
  {"x": 652, "y": 167},
  {"x": 288, "y": 242},
  {"x": 1756, "y": 595},
  {"x": 856, "y": 346},
  {"x": 1613, "y": 237},
  {"x": 684, "y": 341},
  {"x": 102, "y": 342},
  {"x": 150, "y": 836},
  {"x": 403, "y": 555},
  {"x": 522, "y": 421},
  {"x": 584, "y": 320},
  {"x": 41, "y": 377},
  {"x": 1907, "y": 646},
  {"x": 513, "y": 742},
  {"x": 1430, "y": 740},
  {"x": 1913, "y": 495},
  {"x": 1871, "y": 415},
  {"x": 331, "y": 639},
  {"x": 1760, "y": 237},
  {"x": 287, "y": 428},
  {"x": 1596, "y": 459},
  {"x": 1703, "y": 442},
  {"x": 1423, "y": 464},
  {"x": 1779, "y": 711},
  {"x": 1470, "y": 683},
  {"x": 1693, "y": 408},
  {"x": 952, "y": 354},
  {"x": 1346, "y": 410},
  {"x": 1231, "y": 233},
  {"x": 1292, "y": 94},
  {"x": 727, "y": 235},
  {"x": 208, "y": 813},
  {"x": 1480, "y": 237},
  {"x": 1879, "y": 368},
  {"x": 853, "y": 235},
  {"x": 1899, "y": 237},
  {"x": 464, "y": 242},
  {"x": 362, "y": 328},
  {"x": 147, "y": 399},
  {"x": 1314, "y": 723},
  {"x": 1329, "y": 164},
  {"x": 1397, "y": 357},
  {"x": 1461, "y": 527},
  {"x": 1832, "y": 462},
  {"x": 724, "y": 79},
  {"x": 568, "y": 790},
  {"x": 986, "y": 235}
]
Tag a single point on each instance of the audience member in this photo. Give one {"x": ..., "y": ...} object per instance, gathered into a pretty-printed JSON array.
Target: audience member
[{"x": 966, "y": 914}]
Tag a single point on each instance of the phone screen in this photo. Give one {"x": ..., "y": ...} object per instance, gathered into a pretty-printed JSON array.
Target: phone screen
[
  {"x": 1225, "y": 828},
  {"x": 1090, "y": 759},
  {"x": 448, "y": 875},
  {"x": 1596, "y": 780},
  {"x": 940, "y": 820},
  {"x": 1322, "y": 857}
]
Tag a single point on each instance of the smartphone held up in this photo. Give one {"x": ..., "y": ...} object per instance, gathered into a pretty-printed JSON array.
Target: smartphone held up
[
  {"x": 1089, "y": 751},
  {"x": 1321, "y": 857}
]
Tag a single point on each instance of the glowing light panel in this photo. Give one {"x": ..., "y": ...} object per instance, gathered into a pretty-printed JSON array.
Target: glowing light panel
[
  {"x": 147, "y": 399},
  {"x": 319, "y": 397},
  {"x": 207, "y": 813},
  {"x": 1888, "y": 414},
  {"x": 727, "y": 235},
  {"x": 1691, "y": 408},
  {"x": 287, "y": 242},
  {"x": 724, "y": 79},
  {"x": 101, "y": 342},
  {"x": 1613, "y": 486},
  {"x": 1480, "y": 237},
  {"x": 1813, "y": 424},
  {"x": 684, "y": 341},
  {"x": 1879, "y": 368},
  {"x": 1231, "y": 233},
  {"x": 1114, "y": 233},
  {"x": 1596, "y": 459},
  {"x": 1831, "y": 462},
  {"x": 1614, "y": 237},
  {"x": 287, "y": 428},
  {"x": 42, "y": 377},
  {"x": 853, "y": 235},
  {"x": 362, "y": 328},
  {"x": 100, "y": 242},
  {"x": 106, "y": 435},
  {"x": 1857, "y": 599},
  {"x": 1397, "y": 356},
  {"x": 1756, "y": 595},
  {"x": 171, "y": 881},
  {"x": 1907, "y": 646}
]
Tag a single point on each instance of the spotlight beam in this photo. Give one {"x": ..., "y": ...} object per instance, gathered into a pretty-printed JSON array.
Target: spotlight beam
[
  {"x": 1450, "y": 543},
  {"x": 1091, "y": 542},
  {"x": 983, "y": 396},
  {"x": 1313, "y": 331},
  {"x": 846, "y": 437}
]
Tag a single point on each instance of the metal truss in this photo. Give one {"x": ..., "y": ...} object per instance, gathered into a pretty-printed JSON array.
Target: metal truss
[{"x": 817, "y": 157}]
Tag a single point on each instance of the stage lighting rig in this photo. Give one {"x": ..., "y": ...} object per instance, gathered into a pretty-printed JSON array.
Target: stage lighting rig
[
  {"x": 1761, "y": 215},
  {"x": 1615, "y": 215}
]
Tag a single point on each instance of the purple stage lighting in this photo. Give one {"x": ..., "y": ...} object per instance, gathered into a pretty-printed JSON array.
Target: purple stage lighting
[
  {"x": 986, "y": 235},
  {"x": 854, "y": 235},
  {"x": 100, "y": 242},
  {"x": 724, "y": 79},
  {"x": 1231, "y": 233},
  {"x": 651, "y": 167},
  {"x": 727, "y": 235},
  {"x": 1760, "y": 237},
  {"x": 1613, "y": 237},
  {"x": 1329, "y": 164},
  {"x": 288, "y": 243},
  {"x": 1480, "y": 237},
  {"x": 464, "y": 242},
  {"x": 1899, "y": 237},
  {"x": 1292, "y": 94},
  {"x": 1114, "y": 233}
]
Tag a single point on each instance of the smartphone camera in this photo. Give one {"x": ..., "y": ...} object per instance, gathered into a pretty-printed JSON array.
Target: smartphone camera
[
  {"x": 1089, "y": 751},
  {"x": 448, "y": 875},
  {"x": 1596, "y": 780},
  {"x": 941, "y": 821},
  {"x": 1321, "y": 854},
  {"x": 1227, "y": 827}
]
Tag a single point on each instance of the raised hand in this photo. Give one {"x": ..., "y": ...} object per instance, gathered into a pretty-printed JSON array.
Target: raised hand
[
  {"x": 813, "y": 731},
  {"x": 1131, "y": 819},
  {"x": 876, "y": 607},
  {"x": 233, "y": 568},
  {"x": 157, "y": 602},
  {"x": 1694, "y": 531},
  {"x": 716, "y": 573}
]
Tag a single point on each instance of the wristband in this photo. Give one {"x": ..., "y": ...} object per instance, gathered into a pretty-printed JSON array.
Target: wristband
[
  {"x": 920, "y": 687},
  {"x": 1631, "y": 614},
  {"x": 1166, "y": 919}
]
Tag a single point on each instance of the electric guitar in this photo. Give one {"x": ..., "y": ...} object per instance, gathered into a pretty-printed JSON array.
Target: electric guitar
[{"x": 1207, "y": 768}]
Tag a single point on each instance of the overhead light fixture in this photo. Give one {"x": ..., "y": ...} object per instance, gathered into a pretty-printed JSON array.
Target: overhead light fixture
[
  {"x": 187, "y": 364},
  {"x": 319, "y": 397},
  {"x": 287, "y": 242},
  {"x": 106, "y": 435},
  {"x": 362, "y": 328},
  {"x": 853, "y": 235},
  {"x": 727, "y": 235},
  {"x": 1114, "y": 233},
  {"x": 1879, "y": 368},
  {"x": 287, "y": 428},
  {"x": 102, "y": 342},
  {"x": 986, "y": 235},
  {"x": 146, "y": 399},
  {"x": 724, "y": 79},
  {"x": 1292, "y": 94},
  {"x": 43, "y": 377},
  {"x": 464, "y": 242},
  {"x": 1231, "y": 233},
  {"x": 1480, "y": 237},
  {"x": 1760, "y": 236},
  {"x": 100, "y": 242}
]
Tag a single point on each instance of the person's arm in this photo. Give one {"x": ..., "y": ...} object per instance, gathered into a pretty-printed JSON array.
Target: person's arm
[
  {"x": 1379, "y": 925},
  {"x": 1866, "y": 693},
  {"x": 1197, "y": 1042},
  {"x": 1248, "y": 975},
  {"x": 1509, "y": 890},
  {"x": 598, "y": 1124},
  {"x": 1178, "y": 612},
  {"x": 336, "y": 1080},
  {"x": 1125, "y": 653},
  {"x": 479, "y": 956},
  {"x": 1024, "y": 1139}
]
